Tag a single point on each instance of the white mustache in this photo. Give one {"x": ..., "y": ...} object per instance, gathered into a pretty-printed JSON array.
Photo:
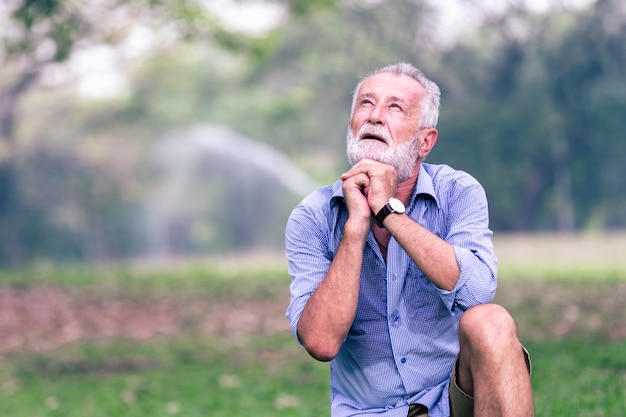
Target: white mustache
[{"x": 369, "y": 129}]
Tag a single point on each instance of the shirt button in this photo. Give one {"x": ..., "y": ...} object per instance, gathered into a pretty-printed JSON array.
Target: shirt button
[
  {"x": 395, "y": 277},
  {"x": 403, "y": 360},
  {"x": 395, "y": 319}
]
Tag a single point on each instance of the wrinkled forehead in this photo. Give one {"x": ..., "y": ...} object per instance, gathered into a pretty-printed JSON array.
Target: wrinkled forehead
[{"x": 390, "y": 85}]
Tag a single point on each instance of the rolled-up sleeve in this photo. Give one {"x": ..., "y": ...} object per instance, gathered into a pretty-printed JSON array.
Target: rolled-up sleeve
[{"x": 468, "y": 232}]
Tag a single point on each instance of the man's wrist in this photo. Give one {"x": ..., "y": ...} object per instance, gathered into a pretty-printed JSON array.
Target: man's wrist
[
  {"x": 356, "y": 229},
  {"x": 393, "y": 205}
]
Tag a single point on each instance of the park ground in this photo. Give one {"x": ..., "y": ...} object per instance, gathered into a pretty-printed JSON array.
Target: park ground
[{"x": 225, "y": 315}]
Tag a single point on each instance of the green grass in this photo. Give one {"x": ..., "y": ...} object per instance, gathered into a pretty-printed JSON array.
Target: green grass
[
  {"x": 201, "y": 377},
  {"x": 574, "y": 273},
  {"x": 263, "y": 377},
  {"x": 570, "y": 319},
  {"x": 579, "y": 377},
  {"x": 241, "y": 280}
]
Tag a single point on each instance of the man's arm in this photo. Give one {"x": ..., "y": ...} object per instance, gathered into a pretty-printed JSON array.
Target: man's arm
[
  {"x": 329, "y": 313},
  {"x": 432, "y": 255}
]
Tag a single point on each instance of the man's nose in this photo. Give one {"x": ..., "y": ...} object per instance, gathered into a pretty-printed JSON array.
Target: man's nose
[{"x": 377, "y": 115}]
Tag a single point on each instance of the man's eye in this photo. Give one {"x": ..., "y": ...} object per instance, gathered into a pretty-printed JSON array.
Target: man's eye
[
  {"x": 396, "y": 105},
  {"x": 366, "y": 102}
]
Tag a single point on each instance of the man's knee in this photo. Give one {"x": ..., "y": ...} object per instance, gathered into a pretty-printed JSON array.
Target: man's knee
[{"x": 487, "y": 323}]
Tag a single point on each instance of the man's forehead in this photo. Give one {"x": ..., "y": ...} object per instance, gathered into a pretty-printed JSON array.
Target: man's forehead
[{"x": 398, "y": 86}]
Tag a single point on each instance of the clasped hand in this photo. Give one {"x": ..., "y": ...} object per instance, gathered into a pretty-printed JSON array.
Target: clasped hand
[{"x": 367, "y": 187}]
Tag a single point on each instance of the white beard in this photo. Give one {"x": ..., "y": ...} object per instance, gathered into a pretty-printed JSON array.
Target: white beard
[{"x": 402, "y": 157}]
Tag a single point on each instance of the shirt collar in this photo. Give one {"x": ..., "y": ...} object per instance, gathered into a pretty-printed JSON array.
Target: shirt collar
[{"x": 424, "y": 185}]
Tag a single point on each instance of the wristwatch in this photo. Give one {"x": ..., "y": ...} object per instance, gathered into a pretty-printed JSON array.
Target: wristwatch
[{"x": 393, "y": 206}]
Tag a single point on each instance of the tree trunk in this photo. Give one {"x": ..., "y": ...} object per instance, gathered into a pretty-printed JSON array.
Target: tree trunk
[{"x": 11, "y": 251}]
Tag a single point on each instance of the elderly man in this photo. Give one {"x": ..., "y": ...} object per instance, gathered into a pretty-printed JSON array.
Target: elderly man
[{"x": 393, "y": 271}]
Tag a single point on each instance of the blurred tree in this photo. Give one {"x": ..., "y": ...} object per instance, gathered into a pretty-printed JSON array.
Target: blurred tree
[
  {"x": 295, "y": 95},
  {"x": 588, "y": 89},
  {"x": 526, "y": 100},
  {"x": 495, "y": 119},
  {"x": 298, "y": 98},
  {"x": 37, "y": 35},
  {"x": 540, "y": 103}
]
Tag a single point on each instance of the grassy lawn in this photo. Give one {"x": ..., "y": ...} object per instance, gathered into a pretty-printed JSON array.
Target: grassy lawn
[
  {"x": 262, "y": 376},
  {"x": 209, "y": 339},
  {"x": 200, "y": 377}
]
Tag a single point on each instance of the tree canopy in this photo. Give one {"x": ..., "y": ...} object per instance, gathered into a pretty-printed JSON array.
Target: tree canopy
[{"x": 532, "y": 105}]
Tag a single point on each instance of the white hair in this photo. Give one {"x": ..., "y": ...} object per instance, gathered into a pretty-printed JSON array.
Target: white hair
[{"x": 429, "y": 104}]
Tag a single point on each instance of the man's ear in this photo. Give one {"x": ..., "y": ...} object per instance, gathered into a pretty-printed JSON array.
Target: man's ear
[{"x": 429, "y": 138}]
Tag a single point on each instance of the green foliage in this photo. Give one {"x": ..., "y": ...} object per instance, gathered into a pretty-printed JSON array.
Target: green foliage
[
  {"x": 536, "y": 112},
  {"x": 92, "y": 214},
  {"x": 304, "y": 8},
  {"x": 532, "y": 106}
]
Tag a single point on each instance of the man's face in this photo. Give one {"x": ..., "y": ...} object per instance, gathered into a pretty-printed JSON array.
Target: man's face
[{"x": 384, "y": 124}]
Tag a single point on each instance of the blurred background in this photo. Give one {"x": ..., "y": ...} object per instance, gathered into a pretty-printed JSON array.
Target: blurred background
[{"x": 165, "y": 129}]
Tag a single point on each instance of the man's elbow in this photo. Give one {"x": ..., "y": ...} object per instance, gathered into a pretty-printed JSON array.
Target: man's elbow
[
  {"x": 323, "y": 351},
  {"x": 322, "y": 354}
]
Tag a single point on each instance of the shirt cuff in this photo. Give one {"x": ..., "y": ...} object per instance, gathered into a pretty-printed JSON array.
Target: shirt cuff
[{"x": 464, "y": 295}]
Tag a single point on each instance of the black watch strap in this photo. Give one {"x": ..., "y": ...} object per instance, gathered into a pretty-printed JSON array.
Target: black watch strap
[{"x": 382, "y": 214}]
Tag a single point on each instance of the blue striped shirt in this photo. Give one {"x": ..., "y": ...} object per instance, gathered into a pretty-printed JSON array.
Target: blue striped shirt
[{"x": 403, "y": 342}]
